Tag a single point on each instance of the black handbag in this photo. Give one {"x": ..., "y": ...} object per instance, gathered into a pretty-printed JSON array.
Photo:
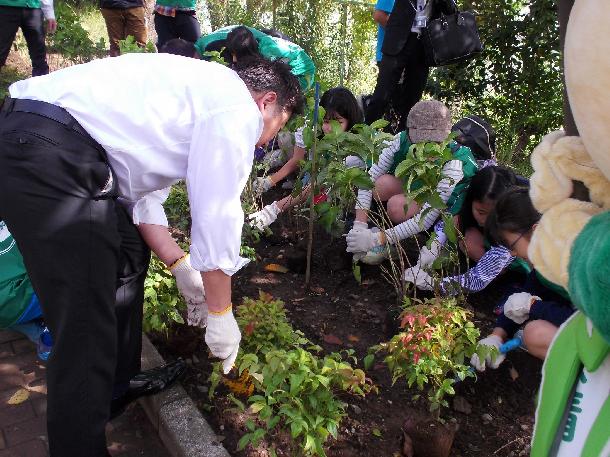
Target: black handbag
[{"x": 451, "y": 38}]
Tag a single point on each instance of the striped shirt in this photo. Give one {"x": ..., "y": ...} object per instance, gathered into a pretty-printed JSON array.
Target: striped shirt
[{"x": 452, "y": 174}]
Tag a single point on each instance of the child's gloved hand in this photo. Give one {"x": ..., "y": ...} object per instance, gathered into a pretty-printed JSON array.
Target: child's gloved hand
[
  {"x": 262, "y": 185},
  {"x": 223, "y": 337},
  {"x": 364, "y": 240},
  {"x": 265, "y": 217},
  {"x": 427, "y": 256},
  {"x": 492, "y": 341},
  {"x": 517, "y": 307},
  {"x": 419, "y": 277},
  {"x": 190, "y": 286}
]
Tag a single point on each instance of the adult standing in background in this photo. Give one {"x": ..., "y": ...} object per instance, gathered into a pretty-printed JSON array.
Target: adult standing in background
[
  {"x": 176, "y": 19},
  {"x": 29, "y": 15},
  {"x": 404, "y": 57},
  {"x": 123, "y": 18},
  {"x": 383, "y": 8}
]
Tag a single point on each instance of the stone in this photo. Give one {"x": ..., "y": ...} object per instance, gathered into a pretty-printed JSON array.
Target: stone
[
  {"x": 486, "y": 418},
  {"x": 357, "y": 410},
  {"x": 195, "y": 359},
  {"x": 461, "y": 405},
  {"x": 203, "y": 389}
]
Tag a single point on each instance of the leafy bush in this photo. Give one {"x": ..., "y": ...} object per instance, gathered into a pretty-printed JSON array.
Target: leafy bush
[
  {"x": 295, "y": 387},
  {"x": 130, "y": 46},
  {"x": 71, "y": 40},
  {"x": 162, "y": 301},
  {"x": 432, "y": 350}
]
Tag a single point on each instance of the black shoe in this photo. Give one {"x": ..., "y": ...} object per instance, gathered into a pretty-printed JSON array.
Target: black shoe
[{"x": 148, "y": 382}]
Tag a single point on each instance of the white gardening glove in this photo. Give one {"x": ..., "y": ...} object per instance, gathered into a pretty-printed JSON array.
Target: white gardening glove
[
  {"x": 265, "y": 217},
  {"x": 262, "y": 185},
  {"x": 517, "y": 307},
  {"x": 190, "y": 286},
  {"x": 223, "y": 337},
  {"x": 419, "y": 277},
  {"x": 428, "y": 256},
  {"x": 490, "y": 341},
  {"x": 363, "y": 240}
]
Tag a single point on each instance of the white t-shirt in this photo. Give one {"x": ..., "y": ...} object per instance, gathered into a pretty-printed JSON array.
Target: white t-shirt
[{"x": 162, "y": 118}]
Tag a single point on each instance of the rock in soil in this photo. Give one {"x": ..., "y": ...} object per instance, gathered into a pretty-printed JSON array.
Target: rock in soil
[
  {"x": 461, "y": 405},
  {"x": 486, "y": 418},
  {"x": 429, "y": 437}
]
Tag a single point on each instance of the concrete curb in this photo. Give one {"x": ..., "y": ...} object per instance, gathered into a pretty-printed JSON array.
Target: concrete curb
[{"x": 181, "y": 427}]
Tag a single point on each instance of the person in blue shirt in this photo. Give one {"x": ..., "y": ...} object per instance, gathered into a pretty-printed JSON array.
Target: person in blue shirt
[{"x": 383, "y": 8}]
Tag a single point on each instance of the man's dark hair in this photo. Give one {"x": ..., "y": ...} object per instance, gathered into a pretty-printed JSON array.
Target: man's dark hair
[
  {"x": 263, "y": 75},
  {"x": 179, "y": 47}
]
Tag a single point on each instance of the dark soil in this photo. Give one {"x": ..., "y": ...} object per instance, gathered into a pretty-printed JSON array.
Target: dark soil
[{"x": 502, "y": 401}]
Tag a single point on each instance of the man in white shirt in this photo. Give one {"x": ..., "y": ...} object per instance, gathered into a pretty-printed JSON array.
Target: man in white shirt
[{"x": 71, "y": 146}]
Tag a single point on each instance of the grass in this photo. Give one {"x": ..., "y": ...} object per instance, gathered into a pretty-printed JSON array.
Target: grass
[{"x": 8, "y": 76}]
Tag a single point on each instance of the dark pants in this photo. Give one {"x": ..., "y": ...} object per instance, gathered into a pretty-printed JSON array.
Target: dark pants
[
  {"x": 32, "y": 25},
  {"x": 184, "y": 25},
  {"x": 87, "y": 263},
  {"x": 411, "y": 60}
]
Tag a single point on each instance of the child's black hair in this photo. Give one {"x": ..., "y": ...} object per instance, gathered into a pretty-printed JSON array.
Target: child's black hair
[
  {"x": 476, "y": 133},
  {"x": 179, "y": 47},
  {"x": 276, "y": 33},
  {"x": 487, "y": 184},
  {"x": 341, "y": 101},
  {"x": 240, "y": 43},
  {"x": 514, "y": 212}
]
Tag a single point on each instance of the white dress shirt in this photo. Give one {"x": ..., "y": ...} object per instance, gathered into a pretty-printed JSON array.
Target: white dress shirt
[{"x": 162, "y": 118}]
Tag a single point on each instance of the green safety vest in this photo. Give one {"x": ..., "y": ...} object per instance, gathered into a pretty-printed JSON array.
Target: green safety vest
[
  {"x": 21, "y": 3},
  {"x": 15, "y": 287},
  {"x": 461, "y": 153},
  {"x": 180, "y": 4},
  {"x": 272, "y": 48},
  {"x": 572, "y": 349}
]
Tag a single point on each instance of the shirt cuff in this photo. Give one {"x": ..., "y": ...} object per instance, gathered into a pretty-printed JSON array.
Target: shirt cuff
[
  {"x": 227, "y": 266},
  {"x": 148, "y": 212}
]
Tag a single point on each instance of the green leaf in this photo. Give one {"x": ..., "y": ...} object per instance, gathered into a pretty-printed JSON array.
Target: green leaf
[
  {"x": 368, "y": 361},
  {"x": 243, "y": 441},
  {"x": 376, "y": 432},
  {"x": 356, "y": 271}
]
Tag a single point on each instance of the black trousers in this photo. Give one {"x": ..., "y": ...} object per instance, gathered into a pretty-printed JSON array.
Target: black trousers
[
  {"x": 32, "y": 25},
  {"x": 87, "y": 263},
  {"x": 410, "y": 60},
  {"x": 184, "y": 25}
]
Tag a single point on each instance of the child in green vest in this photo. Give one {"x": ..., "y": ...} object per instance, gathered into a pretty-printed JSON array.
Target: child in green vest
[
  {"x": 19, "y": 305},
  {"x": 486, "y": 187},
  {"x": 539, "y": 306},
  {"x": 428, "y": 121},
  {"x": 176, "y": 19},
  {"x": 237, "y": 42},
  {"x": 340, "y": 105}
]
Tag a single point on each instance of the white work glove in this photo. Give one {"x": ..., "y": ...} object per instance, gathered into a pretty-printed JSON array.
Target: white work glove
[
  {"x": 491, "y": 341},
  {"x": 190, "y": 285},
  {"x": 265, "y": 217},
  {"x": 428, "y": 256},
  {"x": 517, "y": 307},
  {"x": 262, "y": 185},
  {"x": 223, "y": 337},
  {"x": 419, "y": 277},
  {"x": 363, "y": 240}
]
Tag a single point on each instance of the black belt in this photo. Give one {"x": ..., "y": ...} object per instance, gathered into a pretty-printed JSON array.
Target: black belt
[{"x": 47, "y": 110}]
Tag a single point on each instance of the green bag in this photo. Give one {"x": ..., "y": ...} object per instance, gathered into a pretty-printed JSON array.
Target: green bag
[
  {"x": 272, "y": 48},
  {"x": 16, "y": 291}
]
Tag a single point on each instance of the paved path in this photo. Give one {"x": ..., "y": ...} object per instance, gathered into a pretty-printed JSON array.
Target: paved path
[{"x": 23, "y": 426}]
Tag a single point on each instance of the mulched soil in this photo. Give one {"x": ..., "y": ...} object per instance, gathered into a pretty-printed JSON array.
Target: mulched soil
[{"x": 493, "y": 415}]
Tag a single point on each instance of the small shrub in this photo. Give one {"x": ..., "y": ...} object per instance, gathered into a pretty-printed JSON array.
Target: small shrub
[
  {"x": 162, "y": 301},
  {"x": 295, "y": 388},
  {"x": 433, "y": 348},
  {"x": 71, "y": 40},
  {"x": 130, "y": 46}
]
